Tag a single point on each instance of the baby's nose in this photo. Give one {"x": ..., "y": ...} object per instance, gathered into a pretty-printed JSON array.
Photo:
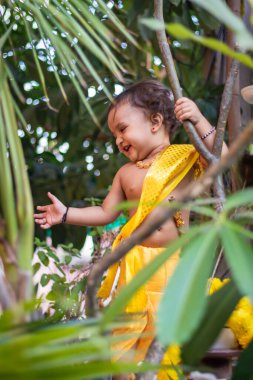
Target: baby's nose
[{"x": 119, "y": 140}]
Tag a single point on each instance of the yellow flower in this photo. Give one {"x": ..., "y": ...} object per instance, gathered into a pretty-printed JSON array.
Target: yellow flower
[
  {"x": 171, "y": 357},
  {"x": 241, "y": 320}
]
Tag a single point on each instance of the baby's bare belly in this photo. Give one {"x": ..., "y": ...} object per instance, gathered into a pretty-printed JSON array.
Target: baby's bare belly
[
  {"x": 163, "y": 236},
  {"x": 167, "y": 233}
]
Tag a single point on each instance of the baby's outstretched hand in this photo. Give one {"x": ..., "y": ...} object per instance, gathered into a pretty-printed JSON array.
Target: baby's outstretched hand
[
  {"x": 186, "y": 109},
  {"x": 51, "y": 214}
]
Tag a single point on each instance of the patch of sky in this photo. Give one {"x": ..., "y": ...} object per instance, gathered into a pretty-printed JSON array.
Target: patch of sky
[
  {"x": 36, "y": 102},
  {"x": 95, "y": 4},
  {"x": 96, "y": 150},
  {"x": 59, "y": 157},
  {"x": 109, "y": 148},
  {"x": 63, "y": 148},
  {"x": 28, "y": 86},
  {"x": 64, "y": 34},
  {"x": 123, "y": 45},
  {"x": 7, "y": 15},
  {"x": 157, "y": 61},
  {"x": 15, "y": 27},
  {"x": 90, "y": 167},
  {"x": 2, "y": 9},
  {"x": 28, "y": 46},
  {"x": 97, "y": 173},
  {"x": 195, "y": 20},
  {"x": 52, "y": 68},
  {"x": 53, "y": 135},
  {"x": 110, "y": 4},
  {"x": 17, "y": 17},
  {"x": 42, "y": 58},
  {"x": 33, "y": 140},
  {"x": 29, "y": 18},
  {"x": 176, "y": 43},
  {"x": 55, "y": 32},
  {"x": 86, "y": 143},
  {"x": 35, "y": 25},
  {"x": 22, "y": 65},
  {"x": 29, "y": 128},
  {"x": 91, "y": 92},
  {"x": 21, "y": 133},
  {"x": 74, "y": 41},
  {"x": 29, "y": 101},
  {"x": 106, "y": 156},
  {"x": 120, "y": 4},
  {"x": 39, "y": 149},
  {"x": 197, "y": 32},
  {"x": 89, "y": 159},
  {"x": 44, "y": 99},
  {"x": 92, "y": 10},
  {"x": 43, "y": 141},
  {"x": 63, "y": 72},
  {"x": 39, "y": 131},
  {"x": 118, "y": 89}
]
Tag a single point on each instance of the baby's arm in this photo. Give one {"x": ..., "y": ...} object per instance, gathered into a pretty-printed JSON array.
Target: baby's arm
[
  {"x": 89, "y": 216},
  {"x": 186, "y": 109}
]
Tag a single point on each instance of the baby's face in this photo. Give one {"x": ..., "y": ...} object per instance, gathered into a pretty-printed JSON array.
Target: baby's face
[{"x": 132, "y": 131}]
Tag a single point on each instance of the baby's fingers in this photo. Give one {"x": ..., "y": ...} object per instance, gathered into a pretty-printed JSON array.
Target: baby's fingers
[
  {"x": 45, "y": 226},
  {"x": 39, "y": 216},
  {"x": 42, "y": 208}
]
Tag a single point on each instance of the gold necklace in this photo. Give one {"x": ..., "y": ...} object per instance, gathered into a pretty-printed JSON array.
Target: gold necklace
[{"x": 146, "y": 165}]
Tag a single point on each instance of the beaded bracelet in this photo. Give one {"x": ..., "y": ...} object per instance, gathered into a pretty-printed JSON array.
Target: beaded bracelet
[
  {"x": 64, "y": 216},
  {"x": 207, "y": 134}
]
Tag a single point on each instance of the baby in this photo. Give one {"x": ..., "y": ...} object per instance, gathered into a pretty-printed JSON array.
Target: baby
[{"x": 140, "y": 120}]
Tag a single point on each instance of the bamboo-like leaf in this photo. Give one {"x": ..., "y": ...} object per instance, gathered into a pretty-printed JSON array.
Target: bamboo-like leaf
[
  {"x": 38, "y": 65},
  {"x": 7, "y": 198},
  {"x": 239, "y": 255},
  {"x": 130, "y": 289},
  {"x": 238, "y": 199},
  {"x": 244, "y": 368},
  {"x": 219, "y": 307},
  {"x": 117, "y": 22},
  {"x": 14, "y": 85},
  {"x": 224, "y": 14},
  {"x": 5, "y": 36},
  {"x": 184, "y": 300},
  {"x": 181, "y": 32}
]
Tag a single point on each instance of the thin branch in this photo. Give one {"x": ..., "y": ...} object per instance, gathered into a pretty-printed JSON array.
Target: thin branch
[
  {"x": 154, "y": 355},
  {"x": 225, "y": 107},
  {"x": 174, "y": 82},
  {"x": 144, "y": 230}
]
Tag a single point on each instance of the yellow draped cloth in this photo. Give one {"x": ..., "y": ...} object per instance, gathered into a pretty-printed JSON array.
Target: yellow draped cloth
[{"x": 166, "y": 172}]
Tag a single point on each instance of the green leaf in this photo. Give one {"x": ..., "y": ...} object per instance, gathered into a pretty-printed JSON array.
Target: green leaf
[
  {"x": 130, "y": 289},
  {"x": 152, "y": 23},
  {"x": 181, "y": 32},
  {"x": 225, "y": 15},
  {"x": 239, "y": 255},
  {"x": 219, "y": 307},
  {"x": 43, "y": 258},
  {"x": 184, "y": 300},
  {"x": 240, "y": 198},
  {"x": 244, "y": 368},
  {"x": 44, "y": 279}
]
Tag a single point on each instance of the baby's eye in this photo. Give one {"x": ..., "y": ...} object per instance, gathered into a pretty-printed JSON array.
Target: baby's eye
[{"x": 122, "y": 129}]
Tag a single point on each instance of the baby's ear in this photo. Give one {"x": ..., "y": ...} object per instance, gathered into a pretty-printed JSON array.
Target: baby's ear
[{"x": 156, "y": 120}]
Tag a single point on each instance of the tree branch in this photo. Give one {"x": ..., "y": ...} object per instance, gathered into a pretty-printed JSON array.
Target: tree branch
[
  {"x": 174, "y": 82},
  {"x": 226, "y": 101},
  {"x": 190, "y": 192}
]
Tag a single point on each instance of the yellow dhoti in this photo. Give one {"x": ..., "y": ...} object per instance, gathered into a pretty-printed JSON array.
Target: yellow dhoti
[{"x": 166, "y": 172}]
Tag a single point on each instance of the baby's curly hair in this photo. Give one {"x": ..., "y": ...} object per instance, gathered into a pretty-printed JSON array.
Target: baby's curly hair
[{"x": 153, "y": 97}]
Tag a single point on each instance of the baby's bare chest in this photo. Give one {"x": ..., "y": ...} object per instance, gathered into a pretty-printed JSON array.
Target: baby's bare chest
[{"x": 132, "y": 182}]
